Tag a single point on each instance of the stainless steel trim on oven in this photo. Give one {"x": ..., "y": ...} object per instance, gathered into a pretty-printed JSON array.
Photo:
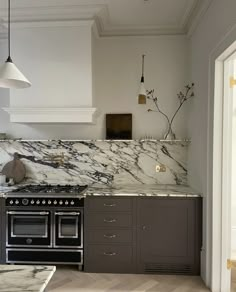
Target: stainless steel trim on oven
[
  {"x": 29, "y": 235},
  {"x": 81, "y": 228},
  {"x": 42, "y": 213},
  {"x": 45, "y": 250},
  {"x": 59, "y": 227},
  {"x": 67, "y": 213}
]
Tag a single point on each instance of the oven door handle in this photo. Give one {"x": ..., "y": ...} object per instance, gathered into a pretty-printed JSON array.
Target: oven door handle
[
  {"x": 67, "y": 213},
  {"x": 43, "y": 213}
]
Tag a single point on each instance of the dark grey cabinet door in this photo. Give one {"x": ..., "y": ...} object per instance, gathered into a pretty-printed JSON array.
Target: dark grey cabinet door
[
  {"x": 2, "y": 232},
  {"x": 168, "y": 235}
]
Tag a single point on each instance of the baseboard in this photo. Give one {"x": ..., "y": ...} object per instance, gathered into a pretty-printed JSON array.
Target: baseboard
[
  {"x": 233, "y": 242},
  {"x": 203, "y": 266}
]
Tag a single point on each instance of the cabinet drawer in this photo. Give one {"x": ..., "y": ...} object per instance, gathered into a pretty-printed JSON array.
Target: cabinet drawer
[
  {"x": 110, "y": 204},
  {"x": 110, "y": 253},
  {"x": 109, "y": 220},
  {"x": 108, "y": 236},
  {"x": 109, "y": 259}
]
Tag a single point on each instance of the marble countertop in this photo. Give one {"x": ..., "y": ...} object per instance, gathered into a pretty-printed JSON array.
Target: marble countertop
[
  {"x": 18, "y": 278},
  {"x": 6, "y": 189},
  {"x": 131, "y": 190},
  {"x": 143, "y": 190}
]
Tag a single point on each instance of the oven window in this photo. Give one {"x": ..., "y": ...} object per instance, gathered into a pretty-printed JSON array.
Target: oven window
[
  {"x": 33, "y": 226},
  {"x": 68, "y": 226}
]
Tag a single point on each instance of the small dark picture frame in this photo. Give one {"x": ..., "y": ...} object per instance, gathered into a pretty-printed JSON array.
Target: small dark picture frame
[{"x": 119, "y": 126}]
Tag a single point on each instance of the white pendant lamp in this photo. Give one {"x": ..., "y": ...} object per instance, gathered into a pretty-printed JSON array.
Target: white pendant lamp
[
  {"x": 10, "y": 75},
  {"x": 142, "y": 91}
]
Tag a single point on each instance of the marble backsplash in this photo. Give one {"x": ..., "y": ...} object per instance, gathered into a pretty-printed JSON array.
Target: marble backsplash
[{"x": 103, "y": 162}]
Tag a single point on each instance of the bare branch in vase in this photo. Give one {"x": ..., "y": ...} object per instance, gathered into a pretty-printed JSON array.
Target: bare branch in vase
[{"x": 182, "y": 96}]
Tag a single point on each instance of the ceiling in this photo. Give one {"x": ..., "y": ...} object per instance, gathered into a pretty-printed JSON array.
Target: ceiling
[{"x": 115, "y": 17}]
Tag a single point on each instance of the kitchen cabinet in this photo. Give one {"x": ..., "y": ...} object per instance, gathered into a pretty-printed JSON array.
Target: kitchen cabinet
[
  {"x": 169, "y": 235},
  {"x": 2, "y": 232},
  {"x": 142, "y": 235},
  {"x": 110, "y": 244}
]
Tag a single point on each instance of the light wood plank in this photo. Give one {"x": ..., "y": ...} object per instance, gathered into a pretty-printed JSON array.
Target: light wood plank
[{"x": 69, "y": 279}]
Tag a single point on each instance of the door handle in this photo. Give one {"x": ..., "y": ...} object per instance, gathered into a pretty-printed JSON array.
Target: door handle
[
  {"x": 109, "y": 205},
  {"x": 110, "y": 254},
  {"x": 109, "y": 235},
  {"x": 67, "y": 213},
  {"x": 109, "y": 220},
  {"x": 43, "y": 213}
]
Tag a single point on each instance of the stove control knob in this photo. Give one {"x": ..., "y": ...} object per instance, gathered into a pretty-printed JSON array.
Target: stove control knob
[
  {"x": 60, "y": 202},
  {"x": 55, "y": 202},
  {"x": 25, "y": 202},
  {"x": 32, "y": 202},
  {"x": 37, "y": 202},
  {"x": 49, "y": 202},
  {"x": 72, "y": 202},
  {"x": 17, "y": 202},
  {"x": 66, "y": 202},
  {"x": 11, "y": 202},
  {"x": 43, "y": 202}
]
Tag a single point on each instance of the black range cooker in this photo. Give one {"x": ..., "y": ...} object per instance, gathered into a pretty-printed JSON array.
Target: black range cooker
[{"x": 44, "y": 224}]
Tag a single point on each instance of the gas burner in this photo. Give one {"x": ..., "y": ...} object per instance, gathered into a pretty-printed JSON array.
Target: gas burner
[{"x": 44, "y": 189}]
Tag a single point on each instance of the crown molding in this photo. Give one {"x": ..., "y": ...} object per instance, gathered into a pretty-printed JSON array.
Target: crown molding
[
  {"x": 198, "y": 13},
  {"x": 190, "y": 6},
  {"x": 74, "y": 15},
  {"x": 52, "y": 13},
  {"x": 58, "y": 23},
  {"x": 51, "y": 115},
  {"x": 106, "y": 29},
  {"x": 194, "y": 12}
]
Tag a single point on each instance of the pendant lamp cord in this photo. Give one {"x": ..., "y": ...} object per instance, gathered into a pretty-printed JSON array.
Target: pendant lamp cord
[
  {"x": 142, "y": 64},
  {"x": 9, "y": 28},
  {"x": 9, "y": 33},
  {"x": 142, "y": 77}
]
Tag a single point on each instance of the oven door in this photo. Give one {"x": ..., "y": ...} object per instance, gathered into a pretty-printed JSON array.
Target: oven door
[
  {"x": 68, "y": 229},
  {"x": 31, "y": 229}
]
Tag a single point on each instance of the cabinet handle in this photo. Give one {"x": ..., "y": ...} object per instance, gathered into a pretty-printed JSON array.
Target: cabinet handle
[
  {"x": 109, "y": 205},
  {"x": 110, "y": 254},
  {"x": 109, "y": 220},
  {"x": 67, "y": 213},
  {"x": 109, "y": 235}
]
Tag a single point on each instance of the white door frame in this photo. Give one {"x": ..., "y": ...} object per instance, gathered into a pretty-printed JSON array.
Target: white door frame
[{"x": 217, "y": 197}]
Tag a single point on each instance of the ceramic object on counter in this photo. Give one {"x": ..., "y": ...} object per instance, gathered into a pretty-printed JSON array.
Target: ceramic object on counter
[
  {"x": 2, "y": 179},
  {"x": 14, "y": 170}
]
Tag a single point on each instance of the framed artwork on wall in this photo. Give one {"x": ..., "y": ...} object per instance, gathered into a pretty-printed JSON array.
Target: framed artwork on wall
[{"x": 119, "y": 126}]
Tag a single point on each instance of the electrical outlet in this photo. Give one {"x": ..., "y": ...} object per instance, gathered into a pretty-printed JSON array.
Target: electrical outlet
[{"x": 160, "y": 168}]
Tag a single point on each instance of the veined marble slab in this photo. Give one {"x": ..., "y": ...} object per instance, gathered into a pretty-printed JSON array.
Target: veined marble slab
[
  {"x": 144, "y": 190},
  {"x": 6, "y": 189},
  {"x": 131, "y": 190},
  {"x": 18, "y": 278},
  {"x": 105, "y": 162}
]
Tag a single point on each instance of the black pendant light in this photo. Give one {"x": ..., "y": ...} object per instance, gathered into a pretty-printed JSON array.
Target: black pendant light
[
  {"x": 142, "y": 91},
  {"x": 10, "y": 75}
]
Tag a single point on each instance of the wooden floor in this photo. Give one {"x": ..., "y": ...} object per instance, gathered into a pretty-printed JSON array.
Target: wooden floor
[{"x": 69, "y": 279}]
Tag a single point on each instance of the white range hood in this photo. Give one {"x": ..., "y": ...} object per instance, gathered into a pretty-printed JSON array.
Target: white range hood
[
  {"x": 57, "y": 58},
  {"x": 51, "y": 115}
]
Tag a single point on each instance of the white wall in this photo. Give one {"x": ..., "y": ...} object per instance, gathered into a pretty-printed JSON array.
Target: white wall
[
  {"x": 117, "y": 66},
  {"x": 211, "y": 32},
  {"x": 233, "y": 206}
]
